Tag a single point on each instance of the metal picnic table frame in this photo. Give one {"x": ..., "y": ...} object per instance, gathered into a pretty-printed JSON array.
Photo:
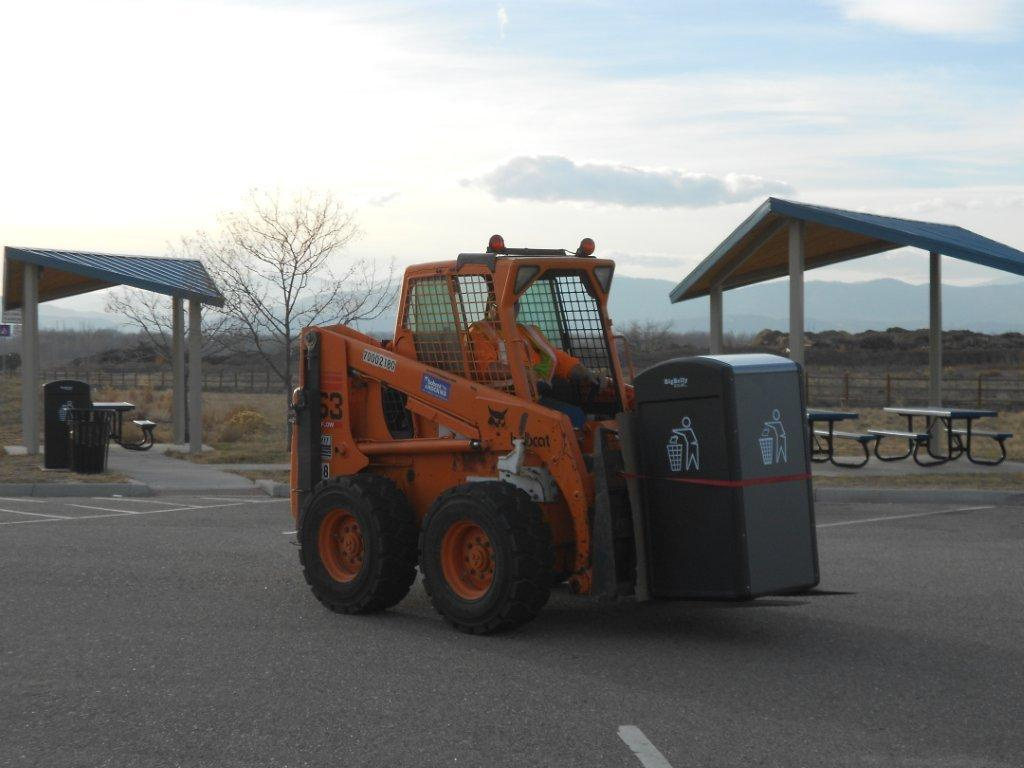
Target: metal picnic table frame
[
  {"x": 116, "y": 412},
  {"x": 956, "y": 446},
  {"x": 823, "y": 446}
]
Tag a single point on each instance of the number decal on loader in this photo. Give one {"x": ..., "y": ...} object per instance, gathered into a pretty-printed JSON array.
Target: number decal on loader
[
  {"x": 325, "y": 471},
  {"x": 381, "y": 361},
  {"x": 330, "y": 405}
]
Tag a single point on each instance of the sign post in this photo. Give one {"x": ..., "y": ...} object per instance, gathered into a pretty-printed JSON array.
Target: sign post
[{"x": 6, "y": 332}]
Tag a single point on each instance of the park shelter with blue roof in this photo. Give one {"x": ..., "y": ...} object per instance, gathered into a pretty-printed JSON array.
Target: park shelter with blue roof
[
  {"x": 32, "y": 275},
  {"x": 783, "y": 237}
]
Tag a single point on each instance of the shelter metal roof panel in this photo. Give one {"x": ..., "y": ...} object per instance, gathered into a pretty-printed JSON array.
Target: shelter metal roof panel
[
  {"x": 758, "y": 249},
  {"x": 67, "y": 273}
]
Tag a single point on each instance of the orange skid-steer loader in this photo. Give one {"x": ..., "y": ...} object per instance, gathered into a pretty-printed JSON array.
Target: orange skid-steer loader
[{"x": 495, "y": 443}]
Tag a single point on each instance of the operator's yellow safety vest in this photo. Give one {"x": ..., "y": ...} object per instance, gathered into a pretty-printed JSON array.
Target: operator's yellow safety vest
[
  {"x": 544, "y": 351},
  {"x": 543, "y": 358}
]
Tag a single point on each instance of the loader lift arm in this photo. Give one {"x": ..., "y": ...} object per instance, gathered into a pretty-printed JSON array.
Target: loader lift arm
[{"x": 346, "y": 358}]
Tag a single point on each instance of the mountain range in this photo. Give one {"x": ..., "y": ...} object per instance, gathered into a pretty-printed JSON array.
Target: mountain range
[{"x": 828, "y": 305}]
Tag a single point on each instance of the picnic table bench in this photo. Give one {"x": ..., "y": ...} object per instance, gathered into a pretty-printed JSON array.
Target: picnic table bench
[
  {"x": 823, "y": 440},
  {"x": 117, "y": 412},
  {"x": 958, "y": 440}
]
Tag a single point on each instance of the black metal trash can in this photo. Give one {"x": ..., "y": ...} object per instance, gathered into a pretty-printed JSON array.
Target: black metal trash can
[
  {"x": 89, "y": 439},
  {"x": 58, "y": 397},
  {"x": 725, "y": 477}
]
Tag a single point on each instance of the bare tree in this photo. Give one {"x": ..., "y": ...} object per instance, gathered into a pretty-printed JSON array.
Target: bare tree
[
  {"x": 151, "y": 314},
  {"x": 279, "y": 267}
]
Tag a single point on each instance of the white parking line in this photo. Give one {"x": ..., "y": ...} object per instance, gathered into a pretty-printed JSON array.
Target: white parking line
[
  {"x": 136, "y": 500},
  {"x": 22, "y": 498},
  {"x": 106, "y": 509},
  {"x": 645, "y": 752},
  {"x": 127, "y": 513},
  {"x": 231, "y": 499},
  {"x": 34, "y": 514},
  {"x": 904, "y": 517}
]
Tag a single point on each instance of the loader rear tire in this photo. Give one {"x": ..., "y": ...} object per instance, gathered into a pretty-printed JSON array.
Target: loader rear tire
[
  {"x": 486, "y": 557},
  {"x": 357, "y": 544}
]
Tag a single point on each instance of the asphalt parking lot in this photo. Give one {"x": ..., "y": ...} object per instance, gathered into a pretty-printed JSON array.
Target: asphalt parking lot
[{"x": 179, "y": 631}]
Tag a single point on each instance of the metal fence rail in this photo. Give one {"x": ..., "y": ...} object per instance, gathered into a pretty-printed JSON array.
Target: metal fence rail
[
  {"x": 1003, "y": 390},
  {"x": 879, "y": 390},
  {"x": 258, "y": 381}
]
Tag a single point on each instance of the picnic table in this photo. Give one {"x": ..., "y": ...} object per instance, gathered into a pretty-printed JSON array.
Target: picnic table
[
  {"x": 823, "y": 439},
  {"x": 958, "y": 440},
  {"x": 117, "y": 412}
]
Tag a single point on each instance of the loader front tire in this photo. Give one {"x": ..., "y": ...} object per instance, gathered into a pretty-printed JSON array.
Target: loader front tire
[
  {"x": 486, "y": 557},
  {"x": 357, "y": 544}
]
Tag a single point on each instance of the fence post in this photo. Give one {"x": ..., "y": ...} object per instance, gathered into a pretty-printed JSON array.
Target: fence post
[
  {"x": 888, "y": 389},
  {"x": 846, "y": 388},
  {"x": 268, "y": 379},
  {"x": 236, "y": 381},
  {"x": 979, "y": 390},
  {"x": 252, "y": 380}
]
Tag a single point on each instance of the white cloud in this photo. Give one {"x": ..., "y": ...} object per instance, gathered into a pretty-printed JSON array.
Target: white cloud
[
  {"x": 502, "y": 20},
  {"x": 943, "y": 203},
  {"x": 384, "y": 199},
  {"x": 553, "y": 178},
  {"x": 937, "y": 17}
]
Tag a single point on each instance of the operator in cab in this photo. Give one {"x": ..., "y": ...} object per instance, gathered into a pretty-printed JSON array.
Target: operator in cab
[{"x": 546, "y": 361}]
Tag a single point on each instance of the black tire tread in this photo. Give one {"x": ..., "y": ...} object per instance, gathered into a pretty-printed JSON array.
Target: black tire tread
[
  {"x": 396, "y": 545},
  {"x": 532, "y": 559}
]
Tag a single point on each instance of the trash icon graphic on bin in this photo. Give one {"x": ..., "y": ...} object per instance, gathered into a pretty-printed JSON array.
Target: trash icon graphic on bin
[
  {"x": 683, "y": 448},
  {"x": 772, "y": 441}
]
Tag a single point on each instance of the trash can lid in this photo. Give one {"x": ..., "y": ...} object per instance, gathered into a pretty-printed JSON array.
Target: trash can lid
[{"x": 754, "y": 362}]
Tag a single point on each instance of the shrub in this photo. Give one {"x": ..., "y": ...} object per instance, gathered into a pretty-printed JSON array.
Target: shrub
[{"x": 241, "y": 422}]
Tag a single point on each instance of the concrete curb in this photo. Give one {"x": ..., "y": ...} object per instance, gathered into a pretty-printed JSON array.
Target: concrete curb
[
  {"x": 56, "y": 490},
  {"x": 208, "y": 491},
  {"x": 918, "y": 496},
  {"x": 274, "y": 490}
]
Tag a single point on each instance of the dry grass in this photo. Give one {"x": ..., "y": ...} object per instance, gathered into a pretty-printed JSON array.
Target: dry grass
[
  {"x": 266, "y": 447},
  {"x": 277, "y": 475},
  {"x": 10, "y": 410},
  {"x": 963, "y": 482},
  {"x": 29, "y": 469},
  {"x": 256, "y": 451}
]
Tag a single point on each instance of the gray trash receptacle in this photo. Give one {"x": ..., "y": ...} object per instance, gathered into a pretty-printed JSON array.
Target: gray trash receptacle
[
  {"x": 725, "y": 477},
  {"x": 89, "y": 439}
]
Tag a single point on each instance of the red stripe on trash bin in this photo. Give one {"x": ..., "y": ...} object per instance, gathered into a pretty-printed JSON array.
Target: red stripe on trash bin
[{"x": 724, "y": 483}]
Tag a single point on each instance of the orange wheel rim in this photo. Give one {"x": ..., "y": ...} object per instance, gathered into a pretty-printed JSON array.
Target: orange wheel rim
[
  {"x": 467, "y": 560},
  {"x": 340, "y": 544}
]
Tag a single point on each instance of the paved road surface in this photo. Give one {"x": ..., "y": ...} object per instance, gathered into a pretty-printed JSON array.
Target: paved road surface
[{"x": 184, "y": 635}]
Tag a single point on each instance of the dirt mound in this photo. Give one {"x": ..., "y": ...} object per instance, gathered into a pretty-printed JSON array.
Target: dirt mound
[{"x": 895, "y": 346}]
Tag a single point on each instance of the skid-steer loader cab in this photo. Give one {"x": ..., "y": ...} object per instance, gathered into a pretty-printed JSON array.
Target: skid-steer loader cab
[
  {"x": 510, "y": 319},
  {"x": 493, "y": 442}
]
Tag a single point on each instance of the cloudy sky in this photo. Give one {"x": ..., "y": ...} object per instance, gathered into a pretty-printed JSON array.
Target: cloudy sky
[{"x": 653, "y": 127}]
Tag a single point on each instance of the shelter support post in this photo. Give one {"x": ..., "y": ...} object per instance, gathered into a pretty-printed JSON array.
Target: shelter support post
[
  {"x": 195, "y": 377},
  {"x": 30, "y": 359},
  {"x": 934, "y": 329},
  {"x": 178, "y": 367},
  {"x": 796, "y": 292},
  {"x": 715, "y": 336}
]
